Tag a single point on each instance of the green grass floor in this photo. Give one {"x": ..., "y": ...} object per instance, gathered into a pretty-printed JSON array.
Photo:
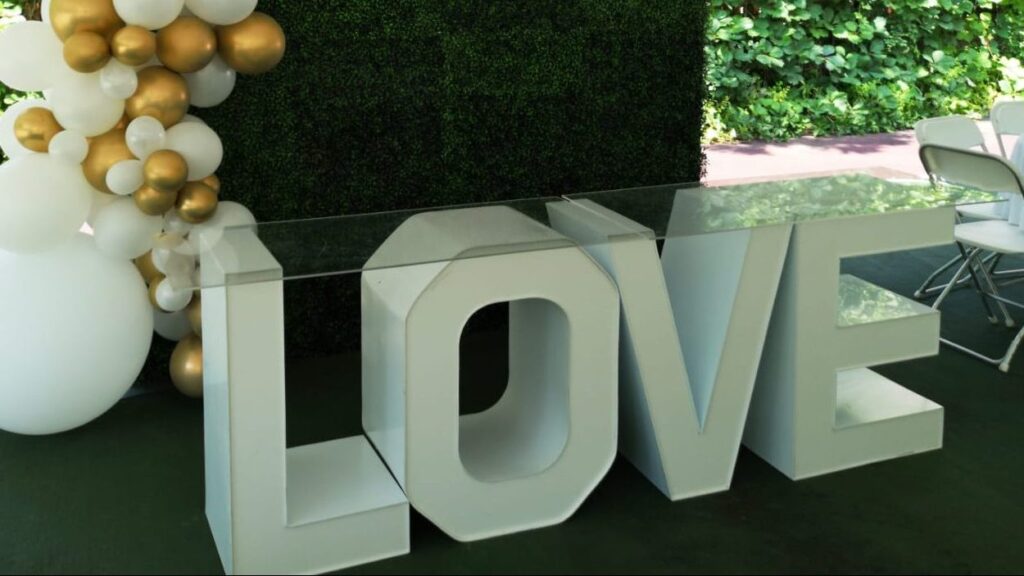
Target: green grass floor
[{"x": 125, "y": 493}]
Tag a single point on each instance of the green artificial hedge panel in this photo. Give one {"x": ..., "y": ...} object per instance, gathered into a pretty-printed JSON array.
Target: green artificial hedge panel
[{"x": 388, "y": 104}]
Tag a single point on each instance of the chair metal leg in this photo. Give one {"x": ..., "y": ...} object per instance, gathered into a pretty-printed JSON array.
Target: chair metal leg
[
  {"x": 949, "y": 287},
  {"x": 926, "y": 288},
  {"x": 994, "y": 293},
  {"x": 969, "y": 259}
]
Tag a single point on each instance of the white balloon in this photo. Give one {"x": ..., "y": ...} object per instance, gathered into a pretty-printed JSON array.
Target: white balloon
[
  {"x": 175, "y": 225},
  {"x": 45, "y": 11},
  {"x": 69, "y": 147},
  {"x": 31, "y": 54},
  {"x": 79, "y": 104},
  {"x": 144, "y": 136},
  {"x": 118, "y": 80},
  {"x": 199, "y": 145},
  {"x": 100, "y": 200},
  {"x": 171, "y": 299},
  {"x": 125, "y": 177},
  {"x": 8, "y": 142},
  {"x": 212, "y": 85},
  {"x": 191, "y": 118},
  {"x": 221, "y": 12},
  {"x": 173, "y": 262},
  {"x": 150, "y": 14},
  {"x": 122, "y": 231},
  {"x": 174, "y": 327},
  {"x": 76, "y": 331},
  {"x": 45, "y": 202},
  {"x": 228, "y": 215}
]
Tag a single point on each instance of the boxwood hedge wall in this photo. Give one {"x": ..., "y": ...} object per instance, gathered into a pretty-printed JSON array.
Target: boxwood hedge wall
[{"x": 390, "y": 104}]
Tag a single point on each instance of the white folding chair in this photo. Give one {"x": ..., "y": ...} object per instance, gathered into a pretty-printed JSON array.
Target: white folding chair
[
  {"x": 992, "y": 173},
  {"x": 963, "y": 133},
  {"x": 1007, "y": 120}
]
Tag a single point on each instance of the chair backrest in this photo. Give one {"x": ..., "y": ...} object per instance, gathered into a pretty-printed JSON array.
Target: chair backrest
[
  {"x": 952, "y": 131},
  {"x": 1008, "y": 120},
  {"x": 969, "y": 168}
]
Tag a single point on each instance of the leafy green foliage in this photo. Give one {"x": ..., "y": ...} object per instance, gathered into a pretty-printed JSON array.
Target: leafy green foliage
[{"x": 784, "y": 68}]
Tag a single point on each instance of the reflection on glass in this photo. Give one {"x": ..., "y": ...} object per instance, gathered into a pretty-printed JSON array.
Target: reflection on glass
[
  {"x": 861, "y": 302},
  {"x": 341, "y": 245}
]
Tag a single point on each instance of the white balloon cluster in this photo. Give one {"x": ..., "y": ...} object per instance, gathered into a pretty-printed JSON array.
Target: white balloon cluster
[{"x": 111, "y": 144}]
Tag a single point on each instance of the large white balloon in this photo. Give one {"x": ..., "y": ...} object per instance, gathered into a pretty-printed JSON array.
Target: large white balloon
[
  {"x": 199, "y": 145},
  {"x": 123, "y": 232},
  {"x": 70, "y": 147},
  {"x": 31, "y": 54},
  {"x": 79, "y": 103},
  {"x": 75, "y": 332},
  {"x": 144, "y": 136},
  {"x": 228, "y": 215},
  {"x": 100, "y": 200},
  {"x": 44, "y": 203},
  {"x": 212, "y": 85},
  {"x": 221, "y": 12},
  {"x": 8, "y": 142},
  {"x": 150, "y": 14},
  {"x": 174, "y": 327}
]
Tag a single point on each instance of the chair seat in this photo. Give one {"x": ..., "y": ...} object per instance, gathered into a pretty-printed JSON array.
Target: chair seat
[
  {"x": 990, "y": 211},
  {"x": 992, "y": 235}
]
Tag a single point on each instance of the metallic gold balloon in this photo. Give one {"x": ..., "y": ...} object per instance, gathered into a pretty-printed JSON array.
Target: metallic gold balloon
[
  {"x": 71, "y": 16},
  {"x": 195, "y": 314},
  {"x": 146, "y": 267},
  {"x": 162, "y": 94},
  {"x": 154, "y": 202},
  {"x": 213, "y": 182},
  {"x": 187, "y": 367},
  {"x": 86, "y": 52},
  {"x": 153, "y": 285},
  {"x": 133, "y": 45},
  {"x": 254, "y": 45},
  {"x": 196, "y": 203},
  {"x": 35, "y": 128},
  {"x": 105, "y": 151},
  {"x": 165, "y": 171},
  {"x": 186, "y": 45}
]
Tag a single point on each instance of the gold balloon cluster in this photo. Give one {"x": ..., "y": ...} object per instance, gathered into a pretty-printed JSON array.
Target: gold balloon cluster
[{"x": 93, "y": 34}]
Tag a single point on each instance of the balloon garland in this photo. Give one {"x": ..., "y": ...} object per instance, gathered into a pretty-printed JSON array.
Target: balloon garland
[{"x": 112, "y": 144}]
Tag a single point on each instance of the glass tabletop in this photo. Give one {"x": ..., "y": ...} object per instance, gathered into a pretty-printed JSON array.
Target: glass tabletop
[{"x": 359, "y": 243}]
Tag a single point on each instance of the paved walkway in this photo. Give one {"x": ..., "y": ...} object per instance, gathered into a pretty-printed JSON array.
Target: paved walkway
[{"x": 897, "y": 151}]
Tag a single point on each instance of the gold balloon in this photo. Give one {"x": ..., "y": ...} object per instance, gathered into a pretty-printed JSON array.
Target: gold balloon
[
  {"x": 153, "y": 285},
  {"x": 187, "y": 367},
  {"x": 186, "y": 45},
  {"x": 104, "y": 152},
  {"x": 196, "y": 203},
  {"x": 154, "y": 202},
  {"x": 133, "y": 45},
  {"x": 165, "y": 171},
  {"x": 146, "y": 267},
  {"x": 195, "y": 314},
  {"x": 162, "y": 94},
  {"x": 254, "y": 45},
  {"x": 213, "y": 182},
  {"x": 71, "y": 16},
  {"x": 35, "y": 128},
  {"x": 86, "y": 52}
]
